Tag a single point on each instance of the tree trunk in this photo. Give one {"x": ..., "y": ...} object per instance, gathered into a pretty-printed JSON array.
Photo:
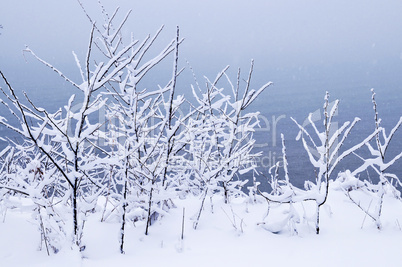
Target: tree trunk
[
  {"x": 149, "y": 210},
  {"x": 123, "y": 219},
  {"x": 75, "y": 213},
  {"x": 317, "y": 223}
]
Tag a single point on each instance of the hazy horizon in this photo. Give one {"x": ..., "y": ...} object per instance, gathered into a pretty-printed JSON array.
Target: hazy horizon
[
  {"x": 281, "y": 34},
  {"x": 304, "y": 47}
]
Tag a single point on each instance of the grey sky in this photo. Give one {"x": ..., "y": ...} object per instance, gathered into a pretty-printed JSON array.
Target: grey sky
[
  {"x": 305, "y": 47},
  {"x": 219, "y": 32}
]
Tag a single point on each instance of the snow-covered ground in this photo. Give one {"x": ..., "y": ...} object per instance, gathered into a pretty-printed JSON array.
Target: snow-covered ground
[{"x": 230, "y": 235}]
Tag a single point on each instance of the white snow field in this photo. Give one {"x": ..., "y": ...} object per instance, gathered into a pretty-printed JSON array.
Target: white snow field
[{"x": 236, "y": 234}]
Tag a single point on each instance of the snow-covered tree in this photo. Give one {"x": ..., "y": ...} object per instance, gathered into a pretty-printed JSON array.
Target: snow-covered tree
[
  {"x": 141, "y": 126},
  {"x": 324, "y": 152},
  {"x": 387, "y": 181},
  {"x": 27, "y": 173},
  {"x": 220, "y": 138},
  {"x": 68, "y": 137}
]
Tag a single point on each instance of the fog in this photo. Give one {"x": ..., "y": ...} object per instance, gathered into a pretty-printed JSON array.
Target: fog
[{"x": 277, "y": 34}]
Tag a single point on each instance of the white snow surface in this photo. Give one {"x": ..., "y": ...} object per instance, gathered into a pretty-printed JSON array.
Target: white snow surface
[{"x": 346, "y": 237}]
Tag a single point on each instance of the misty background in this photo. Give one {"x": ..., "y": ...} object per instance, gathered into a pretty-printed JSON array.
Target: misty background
[{"x": 305, "y": 47}]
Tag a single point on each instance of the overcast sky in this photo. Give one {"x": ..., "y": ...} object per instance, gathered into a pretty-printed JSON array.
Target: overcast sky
[
  {"x": 343, "y": 46},
  {"x": 275, "y": 33}
]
